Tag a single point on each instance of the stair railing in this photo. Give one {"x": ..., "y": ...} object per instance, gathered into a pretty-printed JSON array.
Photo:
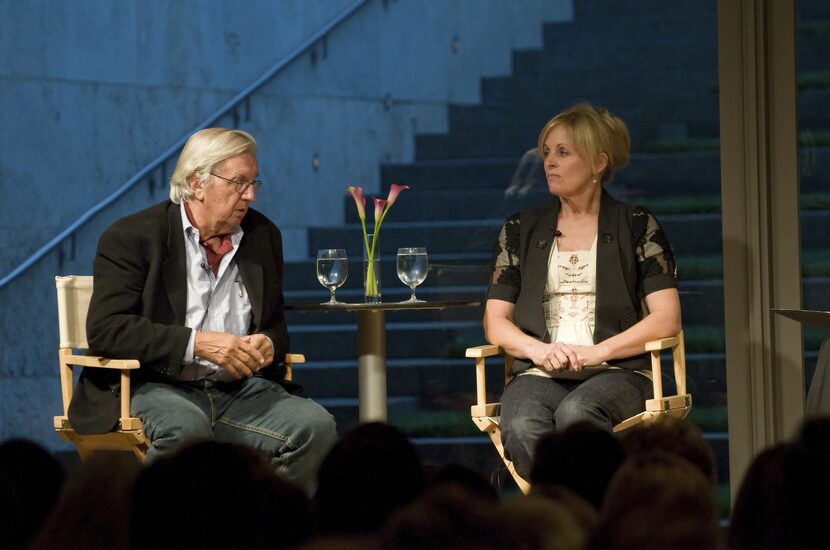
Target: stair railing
[{"x": 173, "y": 149}]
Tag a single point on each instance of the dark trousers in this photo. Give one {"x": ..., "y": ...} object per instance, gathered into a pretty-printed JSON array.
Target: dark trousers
[{"x": 532, "y": 406}]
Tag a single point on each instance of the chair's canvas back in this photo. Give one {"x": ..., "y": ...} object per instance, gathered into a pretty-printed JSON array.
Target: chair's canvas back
[{"x": 74, "y": 293}]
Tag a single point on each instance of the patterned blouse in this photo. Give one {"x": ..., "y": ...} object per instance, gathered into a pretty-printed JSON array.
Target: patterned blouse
[{"x": 652, "y": 251}]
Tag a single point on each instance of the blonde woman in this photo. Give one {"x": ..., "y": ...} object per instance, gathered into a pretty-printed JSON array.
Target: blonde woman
[{"x": 578, "y": 285}]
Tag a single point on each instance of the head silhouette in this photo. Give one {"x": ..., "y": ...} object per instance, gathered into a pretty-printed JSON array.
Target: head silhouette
[{"x": 372, "y": 471}]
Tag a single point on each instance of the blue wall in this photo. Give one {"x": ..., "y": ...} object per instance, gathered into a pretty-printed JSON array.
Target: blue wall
[{"x": 94, "y": 90}]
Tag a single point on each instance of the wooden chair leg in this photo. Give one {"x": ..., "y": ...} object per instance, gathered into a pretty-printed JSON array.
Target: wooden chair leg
[{"x": 495, "y": 437}]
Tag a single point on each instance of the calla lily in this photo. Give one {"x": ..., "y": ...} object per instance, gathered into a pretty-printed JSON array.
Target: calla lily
[
  {"x": 394, "y": 191},
  {"x": 380, "y": 208},
  {"x": 360, "y": 202}
]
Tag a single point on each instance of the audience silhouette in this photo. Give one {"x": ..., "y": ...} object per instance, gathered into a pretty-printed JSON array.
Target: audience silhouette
[
  {"x": 655, "y": 501},
  {"x": 30, "y": 478},
  {"x": 556, "y": 519},
  {"x": 673, "y": 435},
  {"x": 217, "y": 495},
  {"x": 464, "y": 477},
  {"x": 782, "y": 501},
  {"x": 92, "y": 511},
  {"x": 450, "y": 517},
  {"x": 372, "y": 471},
  {"x": 374, "y": 493},
  {"x": 581, "y": 457}
]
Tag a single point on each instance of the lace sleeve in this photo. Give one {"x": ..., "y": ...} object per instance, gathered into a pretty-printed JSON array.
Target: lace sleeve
[
  {"x": 655, "y": 259},
  {"x": 505, "y": 272}
]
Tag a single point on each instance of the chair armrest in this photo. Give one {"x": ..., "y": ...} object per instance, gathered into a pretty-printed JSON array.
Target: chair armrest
[
  {"x": 486, "y": 350},
  {"x": 479, "y": 353},
  {"x": 662, "y": 343},
  {"x": 101, "y": 362},
  {"x": 677, "y": 346},
  {"x": 290, "y": 360}
]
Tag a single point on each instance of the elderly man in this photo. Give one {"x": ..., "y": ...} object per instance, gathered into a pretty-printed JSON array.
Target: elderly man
[{"x": 192, "y": 288}]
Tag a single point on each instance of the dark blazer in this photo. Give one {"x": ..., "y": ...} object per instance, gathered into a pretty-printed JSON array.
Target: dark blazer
[
  {"x": 624, "y": 276},
  {"x": 139, "y": 299}
]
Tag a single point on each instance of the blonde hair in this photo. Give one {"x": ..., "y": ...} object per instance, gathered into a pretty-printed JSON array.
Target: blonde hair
[
  {"x": 594, "y": 131},
  {"x": 202, "y": 153}
]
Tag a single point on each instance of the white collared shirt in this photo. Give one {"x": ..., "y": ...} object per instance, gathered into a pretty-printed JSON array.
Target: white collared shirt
[{"x": 215, "y": 303}]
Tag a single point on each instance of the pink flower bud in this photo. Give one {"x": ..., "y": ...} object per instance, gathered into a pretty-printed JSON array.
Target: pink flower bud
[
  {"x": 360, "y": 202},
  {"x": 380, "y": 205},
  {"x": 394, "y": 191}
]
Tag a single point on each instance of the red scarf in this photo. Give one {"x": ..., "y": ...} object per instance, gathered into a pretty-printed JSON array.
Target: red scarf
[{"x": 215, "y": 247}]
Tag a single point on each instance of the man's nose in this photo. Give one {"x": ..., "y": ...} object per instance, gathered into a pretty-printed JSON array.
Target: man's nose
[{"x": 249, "y": 194}]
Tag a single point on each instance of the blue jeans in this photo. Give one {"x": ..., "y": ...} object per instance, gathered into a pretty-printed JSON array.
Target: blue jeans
[
  {"x": 532, "y": 406},
  {"x": 296, "y": 432}
]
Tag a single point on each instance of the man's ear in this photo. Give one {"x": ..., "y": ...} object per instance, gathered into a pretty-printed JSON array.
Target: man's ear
[{"x": 195, "y": 186}]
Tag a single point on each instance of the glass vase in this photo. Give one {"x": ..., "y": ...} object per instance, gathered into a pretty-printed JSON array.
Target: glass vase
[{"x": 371, "y": 271}]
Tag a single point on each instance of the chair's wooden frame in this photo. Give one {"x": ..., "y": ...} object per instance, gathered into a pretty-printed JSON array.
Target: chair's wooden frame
[
  {"x": 487, "y": 415},
  {"x": 74, "y": 293}
]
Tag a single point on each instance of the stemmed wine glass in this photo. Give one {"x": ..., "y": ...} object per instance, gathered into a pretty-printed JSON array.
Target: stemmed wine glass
[
  {"x": 412, "y": 268},
  {"x": 332, "y": 270}
]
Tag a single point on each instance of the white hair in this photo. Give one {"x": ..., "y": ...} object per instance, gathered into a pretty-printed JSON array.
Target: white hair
[{"x": 201, "y": 154}]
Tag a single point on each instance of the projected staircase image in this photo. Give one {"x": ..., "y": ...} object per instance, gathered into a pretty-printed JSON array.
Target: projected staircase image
[{"x": 465, "y": 182}]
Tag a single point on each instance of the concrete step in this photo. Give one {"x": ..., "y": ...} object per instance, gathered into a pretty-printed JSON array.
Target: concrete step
[
  {"x": 813, "y": 114},
  {"x": 674, "y": 117},
  {"x": 449, "y": 275},
  {"x": 541, "y": 80},
  {"x": 498, "y": 114},
  {"x": 812, "y": 45},
  {"x": 458, "y": 204},
  {"x": 647, "y": 174},
  {"x": 667, "y": 43},
  {"x": 476, "y": 173},
  {"x": 690, "y": 234},
  {"x": 812, "y": 9},
  {"x": 440, "y": 189},
  {"x": 467, "y": 143},
  {"x": 404, "y": 339},
  {"x": 443, "y": 237},
  {"x": 439, "y": 380},
  {"x": 614, "y": 9}
]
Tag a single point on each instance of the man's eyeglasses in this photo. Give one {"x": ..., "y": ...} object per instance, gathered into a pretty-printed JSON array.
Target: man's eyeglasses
[{"x": 240, "y": 186}]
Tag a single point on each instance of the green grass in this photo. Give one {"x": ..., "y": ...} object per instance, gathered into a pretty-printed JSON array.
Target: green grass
[
  {"x": 813, "y": 80},
  {"x": 814, "y": 26},
  {"x": 699, "y": 204},
  {"x": 701, "y": 267},
  {"x": 724, "y": 500},
  {"x": 815, "y": 201},
  {"x": 814, "y": 138},
  {"x": 815, "y": 263},
  {"x": 430, "y": 423},
  {"x": 709, "y": 418},
  {"x": 704, "y": 338},
  {"x": 711, "y": 204}
]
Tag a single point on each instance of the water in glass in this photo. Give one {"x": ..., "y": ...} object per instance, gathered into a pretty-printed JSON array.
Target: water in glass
[
  {"x": 412, "y": 268},
  {"x": 332, "y": 270}
]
